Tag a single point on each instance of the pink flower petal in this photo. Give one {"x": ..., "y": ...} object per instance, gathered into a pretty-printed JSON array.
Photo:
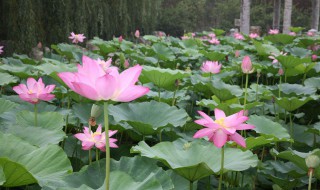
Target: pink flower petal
[
  {"x": 86, "y": 91},
  {"x": 129, "y": 77},
  {"x": 219, "y": 113},
  {"x": 206, "y": 117},
  {"x": 106, "y": 86},
  {"x": 131, "y": 93},
  {"x": 68, "y": 78},
  {"x": 31, "y": 82},
  {"x": 220, "y": 138},
  {"x": 203, "y": 132},
  {"x": 238, "y": 139},
  {"x": 245, "y": 127}
]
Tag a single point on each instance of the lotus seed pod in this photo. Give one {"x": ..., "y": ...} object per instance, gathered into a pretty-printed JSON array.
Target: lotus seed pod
[
  {"x": 312, "y": 161},
  {"x": 95, "y": 111}
]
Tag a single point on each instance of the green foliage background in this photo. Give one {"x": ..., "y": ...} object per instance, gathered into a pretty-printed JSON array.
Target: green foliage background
[{"x": 24, "y": 23}]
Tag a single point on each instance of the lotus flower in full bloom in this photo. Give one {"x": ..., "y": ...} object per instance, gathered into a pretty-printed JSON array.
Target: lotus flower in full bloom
[
  {"x": 273, "y": 31},
  {"x": 34, "y": 91},
  {"x": 254, "y": 35},
  {"x": 246, "y": 65},
  {"x": 97, "y": 139},
  {"x": 238, "y": 36},
  {"x": 224, "y": 128},
  {"x": 314, "y": 57},
  {"x": 98, "y": 82},
  {"x": 274, "y": 55},
  {"x": 1, "y": 51},
  {"x": 76, "y": 38},
  {"x": 211, "y": 67},
  {"x": 214, "y": 41}
]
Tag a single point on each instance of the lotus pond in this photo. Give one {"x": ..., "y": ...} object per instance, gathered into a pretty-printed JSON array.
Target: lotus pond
[{"x": 207, "y": 111}]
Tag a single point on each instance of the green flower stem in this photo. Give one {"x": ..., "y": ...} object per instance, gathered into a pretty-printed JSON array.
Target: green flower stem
[
  {"x": 90, "y": 156},
  {"x": 310, "y": 179},
  {"x": 106, "y": 126},
  {"x": 221, "y": 170},
  {"x": 97, "y": 154},
  {"x": 159, "y": 94},
  {"x": 279, "y": 94},
  {"x": 35, "y": 115},
  {"x": 246, "y": 92},
  {"x": 291, "y": 127},
  {"x": 190, "y": 185}
]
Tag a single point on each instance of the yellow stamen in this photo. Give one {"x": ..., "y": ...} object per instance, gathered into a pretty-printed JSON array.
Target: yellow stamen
[{"x": 221, "y": 122}]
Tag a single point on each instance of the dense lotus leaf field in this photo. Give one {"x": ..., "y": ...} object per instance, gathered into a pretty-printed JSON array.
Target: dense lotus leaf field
[{"x": 162, "y": 138}]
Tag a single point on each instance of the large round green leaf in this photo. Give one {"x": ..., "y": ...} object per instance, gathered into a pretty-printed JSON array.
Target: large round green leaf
[
  {"x": 126, "y": 174},
  {"x": 6, "y": 105},
  {"x": 163, "y": 52},
  {"x": 163, "y": 78},
  {"x": 280, "y": 38},
  {"x": 148, "y": 117},
  {"x": 265, "y": 126},
  {"x": 290, "y": 90},
  {"x": 6, "y": 78},
  {"x": 224, "y": 91},
  {"x": 18, "y": 68},
  {"x": 197, "y": 159},
  {"x": 293, "y": 103},
  {"x": 35, "y": 165}
]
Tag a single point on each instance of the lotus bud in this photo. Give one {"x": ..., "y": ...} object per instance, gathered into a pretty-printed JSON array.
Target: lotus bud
[
  {"x": 237, "y": 53},
  {"x": 137, "y": 34},
  {"x": 246, "y": 65},
  {"x": 314, "y": 57},
  {"x": 280, "y": 72},
  {"x": 312, "y": 161},
  {"x": 95, "y": 111},
  {"x": 120, "y": 39}
]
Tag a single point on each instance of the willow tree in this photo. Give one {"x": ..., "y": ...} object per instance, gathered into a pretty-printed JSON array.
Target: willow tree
[
  {"x": 315, "y": 14},
  {"x": 245, "y": 17},
  {"x": 287, "y": 16}
]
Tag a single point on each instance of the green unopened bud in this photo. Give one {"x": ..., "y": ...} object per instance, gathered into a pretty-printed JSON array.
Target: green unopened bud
[
  {"x": 95, "y": 111},
  {"x": 312, "y": 161}
]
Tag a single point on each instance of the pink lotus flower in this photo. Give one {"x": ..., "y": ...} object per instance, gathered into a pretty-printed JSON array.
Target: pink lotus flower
[
  {"x": 97, "y": 83},
  {"x": 310, "y": 33},
  {"x": 126, "y": 63},
  {"x": 238, "y": 36},
  {"x": 274, "y": 55},
  {"x": 193, "y": 34},
  {"x": 211, "y": 67},
  {"x": 97, "y": 139},
  {"x": 76, "y": 38},
  {"x": 292, "y": 34},
  {"x": 246, "y": 65},
  {"x": 137, "y": 34},
  {"x": 280, "y": 72},
  {"x": 253, "y": 35},
  {"x": 120, "y": 39},
  {"x": 214, "y": 41},
  {"x": 185, "y": 37},
  {"x": 273, "y": 31},
  {"x": 314, "y": 57},
  {"x": 211, "y": 35},
  {"x": 237, "y": 53},
  {"x": 34, "y": 91},
  {"x": 1, "y": 51},
  {"x": 224, "y": 128}
]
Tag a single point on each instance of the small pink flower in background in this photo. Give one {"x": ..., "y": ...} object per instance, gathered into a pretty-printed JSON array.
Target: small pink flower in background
[
  {"x": 274, "y": 55},
  {"x": 292, "y": 34},
  {"x": 97, "y": 139},
  {"x": 211, "y": 67},
  {"x": 280, "y": 72},
  {"x": 120, "y": 39},
  {"x": 211, "y": 35},
  {"x": 193, "y": 34},
  {"x": 214, "y": 41},
  {"x": 34, "y": 91},
  {"x": 126, "y": 63},
  {"x": 314, "y": 57},
  {"x": 76, "y": 38},
  {"x": 246, "y": 65},
  {"x": 1, "y": 49},
  {"x": 137, "y": 34},
  {"x": 106, "y": 65},
  {"x": 237, "y": 53},
  {"x": 310, "y": 33},
  {"x": 238, "y": 36},
  {"x": 224, "y": 128},
  {"x": 273, "y": 31},
  {"x": 94, "y": 82},
  {"x": 185, "y": 37},
  {"x": 254, "y": 35}
]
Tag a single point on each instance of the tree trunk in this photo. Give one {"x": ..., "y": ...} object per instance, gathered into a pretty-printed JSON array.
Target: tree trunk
[
  {"x": 245, "y": 17},
  {"x": 315, "y": 14},
  {"x": 276, "y": 14},
  {"x": 287, "y": 16}
]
